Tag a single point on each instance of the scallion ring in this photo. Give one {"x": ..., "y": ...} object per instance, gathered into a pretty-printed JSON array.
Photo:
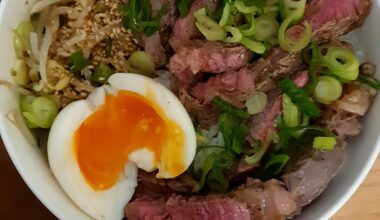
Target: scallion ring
[
  {"x": 243, "y": 8},
  {"x": 266, "y": 28},
  {"x": 253, "y": 45},
  {"x": 295, "y": 38},
  {"x": 327, "y": 90},
  {"x": 208, "y": 27},
  {"x": 236, "y": 35}
]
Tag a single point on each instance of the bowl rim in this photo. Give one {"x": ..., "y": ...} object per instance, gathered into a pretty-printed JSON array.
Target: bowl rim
[{"x": 55, "y": 210}]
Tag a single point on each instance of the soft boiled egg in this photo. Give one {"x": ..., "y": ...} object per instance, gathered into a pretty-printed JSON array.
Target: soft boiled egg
[{"x": 96, "y": 145}]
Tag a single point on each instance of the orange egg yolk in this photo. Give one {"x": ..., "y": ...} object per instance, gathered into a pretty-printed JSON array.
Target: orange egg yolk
[{"x": 125, "y": 123}]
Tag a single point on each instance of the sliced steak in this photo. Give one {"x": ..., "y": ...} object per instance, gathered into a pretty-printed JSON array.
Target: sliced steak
[
  {"x": 357, "y": 99},
  {"x": 155, "y": 45},
  {"x": 204, "y": 112},
  {"x": 309, "y": 177},
  {"x": 342, "y": 123},
  {"x": 333, "y": 18},
  {"x": 152, "y": 45},
  {"x": 204, "y": 56},
  {"x": 145, "y": 208},
  {"x": 268, "y": 200},
  {"x": 180, "y": 208},
  {"x": 342, "y": 116},
  {"x": 204, "y": 209},
  {"x": 263, "y": 122},
  {"x": 234, "y": 87},
  {"x": 184, "y": 28},
  {"x": 276, "y": 65},
  {"x": 148, "y": 184},
  {"x": 253, "y": 200}
]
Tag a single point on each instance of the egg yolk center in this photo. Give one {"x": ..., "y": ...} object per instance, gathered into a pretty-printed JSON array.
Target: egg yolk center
[{"x": 125, "y": 123}]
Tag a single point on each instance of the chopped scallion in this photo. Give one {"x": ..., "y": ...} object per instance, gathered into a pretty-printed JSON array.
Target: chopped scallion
[
  {"x": 340, "y": 61},
  {"x": 256, "y": 103},
  {"x": 327, "y": 90},
  {"x": 324, "y": 143},
  {"x": 291, "y": 113},
  {"x": 300, "y": 98},
  {"x": 208, "y": 27},
  {"x": 227, "y": 108}
]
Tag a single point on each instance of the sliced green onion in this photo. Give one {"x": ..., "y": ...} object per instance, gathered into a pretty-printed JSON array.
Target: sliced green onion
[
  {"x": 21, "y": 37},
  {"x": 202, "y": 140},
  {"x": 324, "y": 143},
  {"x": 208, "y": 27},
  {"x": 327, "y": 90},
  {"x": 227, "y": 108},
  {"x": 101, "y": 73},
  {"x": 249, "y": 28},
  {"x": 20, "y": 72},
  {"x": 206, "y": 168},
  {"x": 253, "y": 45},
  {"x": 291, "y": 113},
  {"x": 279, "y": 160},
  {"x": 250, "y": 160},
  {"x": 236, "y": 35},
  {"x": 142, "y": 61},
  {"x": 256, "y": 103},
  {"x": 340, "y": 61},
  {"x": 300, "y": 98},
  {"x": 39, "y": 112},
  {"x": 286, "y": 36},
  {"x": 266, "y": 28},
  {"x": 77, "y": 62},
  {"x": 184, "y": 7},
  {"x": 370, "y": 81},
  {"x": 294, "y": 9},
  {"x": 226, "y": 16},
  {"x": 243, "y": 8}
]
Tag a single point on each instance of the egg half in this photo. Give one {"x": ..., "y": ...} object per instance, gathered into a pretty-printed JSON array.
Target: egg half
[{"x": 96, "y": 146}]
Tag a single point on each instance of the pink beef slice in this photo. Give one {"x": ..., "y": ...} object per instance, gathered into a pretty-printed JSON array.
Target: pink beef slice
[
  {"x": 204, "y": 56},
  {"x": 252, "y": 200},
  {"x": 263, "y": 122},
  {"x": 145, "y": 208},
  {"x": 269, "y": 200},
  {"x": 181, "y": 208},
  {"x": 308, "y": 176},
  {"x": 154, "y": 45},
  {"x": 234, "y": 87},
  {"x": 184, "y": 28},
  {"x": 333, "y": 18}
]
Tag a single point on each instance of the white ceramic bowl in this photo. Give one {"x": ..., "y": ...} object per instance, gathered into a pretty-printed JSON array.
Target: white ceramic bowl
[{"x": 33, "y": 167}]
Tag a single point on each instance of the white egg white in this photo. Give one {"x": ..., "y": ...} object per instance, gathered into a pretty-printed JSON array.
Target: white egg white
[{"x": 109, "y": 204}]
